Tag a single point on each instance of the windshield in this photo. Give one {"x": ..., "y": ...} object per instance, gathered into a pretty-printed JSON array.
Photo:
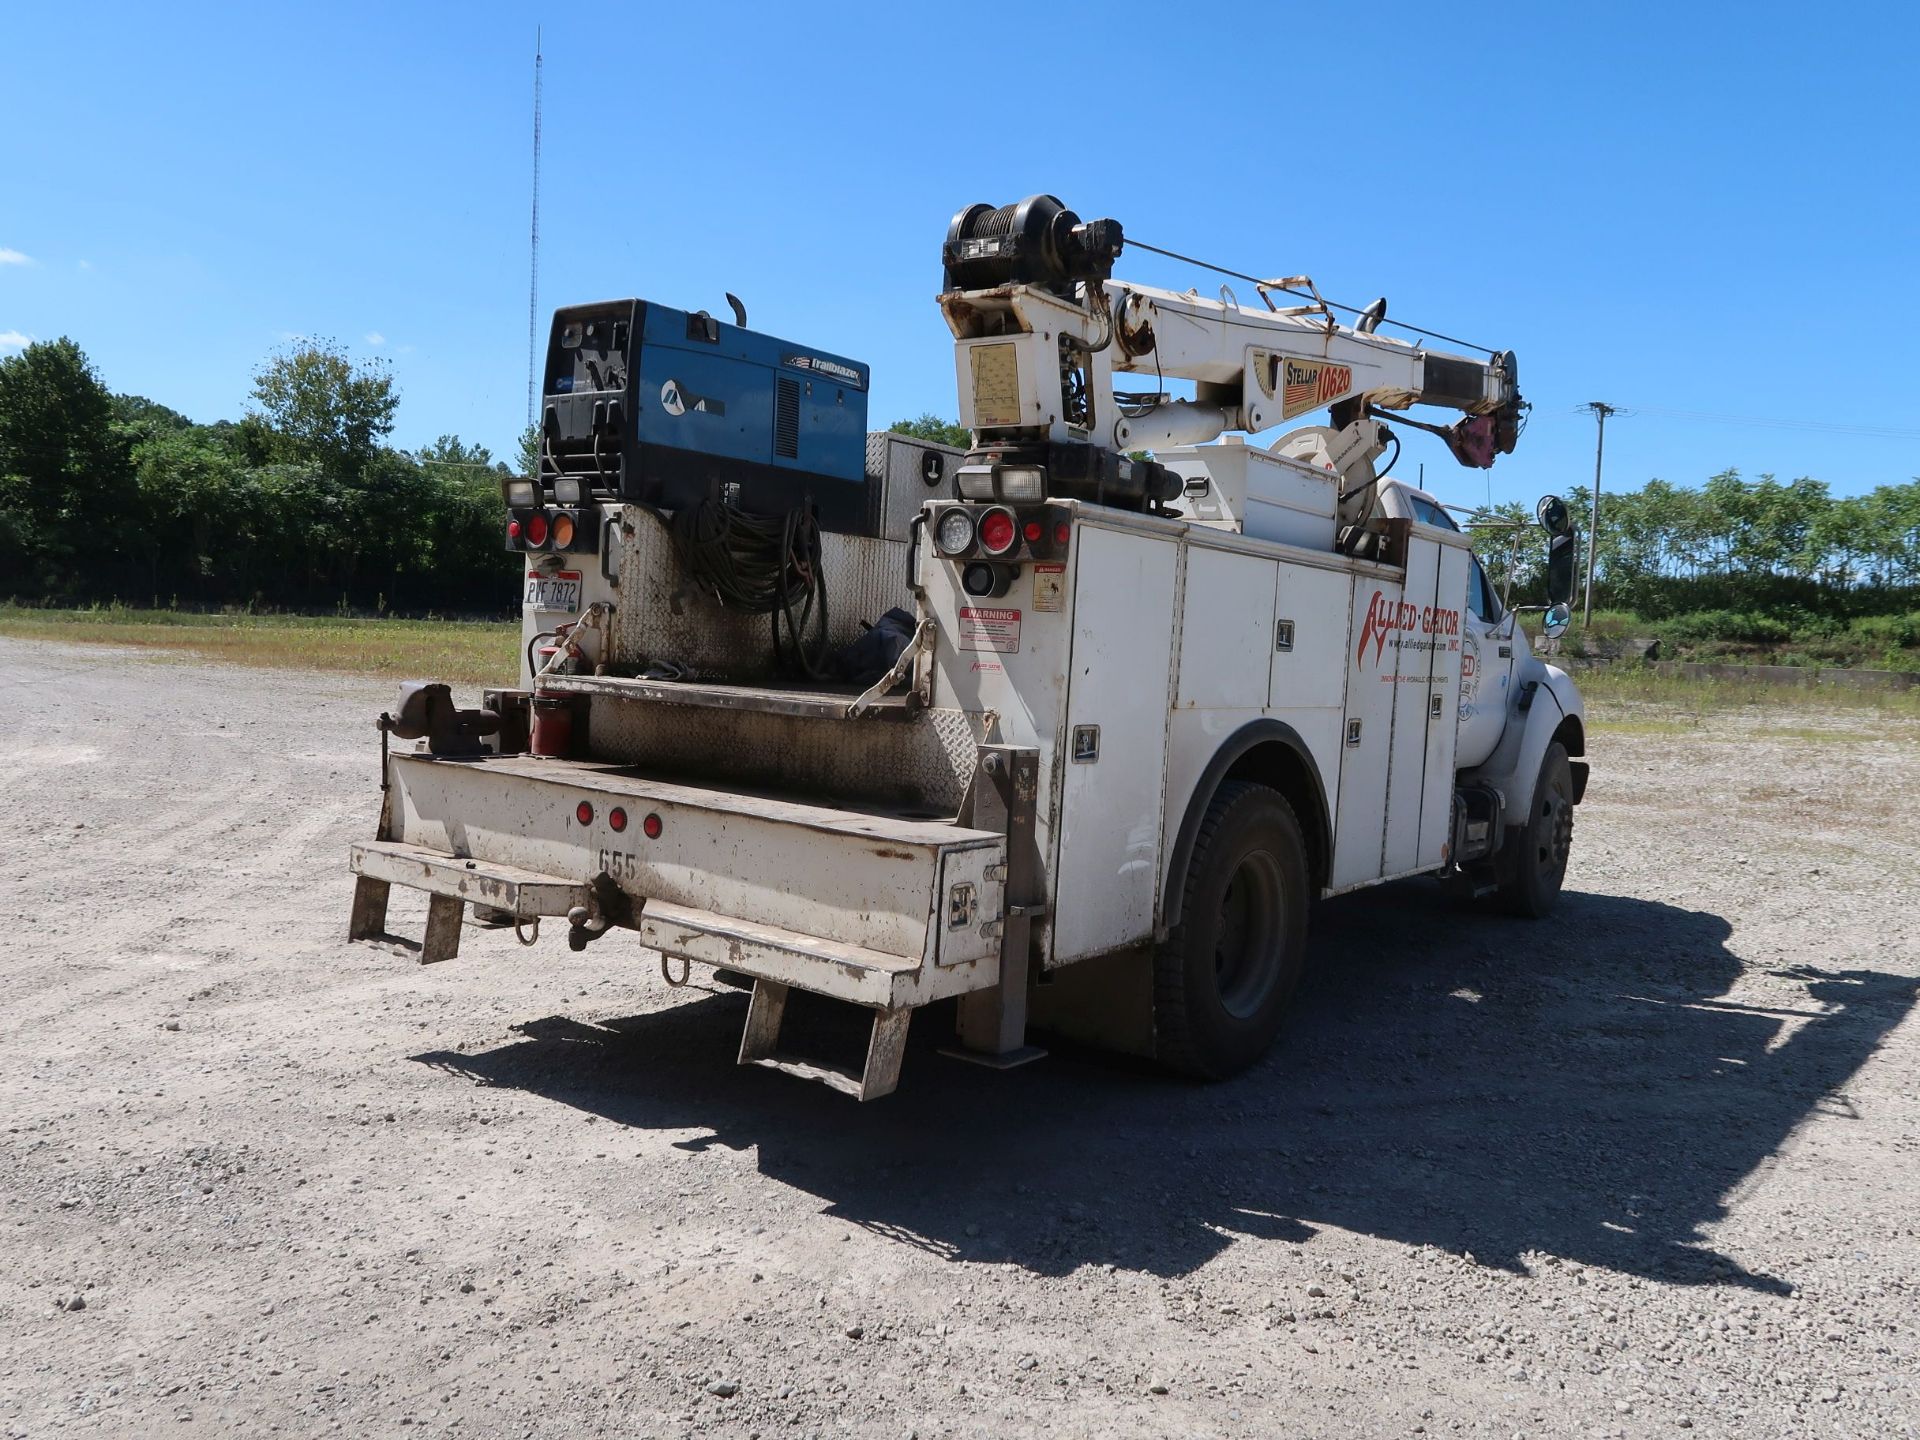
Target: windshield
[{"x": 1428, "y": 513}]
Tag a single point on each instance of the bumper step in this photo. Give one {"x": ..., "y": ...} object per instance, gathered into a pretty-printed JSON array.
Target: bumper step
[
  {"x": 886, "y": 1047},
  {"x": 451, "y": 881}
]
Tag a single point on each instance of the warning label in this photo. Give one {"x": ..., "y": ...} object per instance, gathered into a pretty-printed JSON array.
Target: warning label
[
  {"x": 1049, "y": 587},
  {"x": 982, "y": 628}
]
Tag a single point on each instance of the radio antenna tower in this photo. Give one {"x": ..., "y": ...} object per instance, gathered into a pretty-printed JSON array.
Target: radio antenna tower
[{"x": 533, "y": 243}]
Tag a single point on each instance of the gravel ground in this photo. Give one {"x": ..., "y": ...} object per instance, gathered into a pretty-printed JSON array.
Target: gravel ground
[{"x": 1649, "y": 1167}]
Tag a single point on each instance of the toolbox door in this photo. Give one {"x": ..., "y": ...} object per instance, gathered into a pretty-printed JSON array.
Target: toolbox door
[{"x": 1107, "y": 865}]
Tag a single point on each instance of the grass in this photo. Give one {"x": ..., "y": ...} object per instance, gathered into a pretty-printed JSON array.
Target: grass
[
  {"x": 1869, "y": 642},
  {"x": 1622, "y": 698},
  {"x": 467, "y": 651},
  {"x": 1632, "y": 701},
  {"x": 1608, "y": 686}
]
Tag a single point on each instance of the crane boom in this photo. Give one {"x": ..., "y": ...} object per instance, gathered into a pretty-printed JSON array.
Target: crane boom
[{"x": 1041, "y": 329}]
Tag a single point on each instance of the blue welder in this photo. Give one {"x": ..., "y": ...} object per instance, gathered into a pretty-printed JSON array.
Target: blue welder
[{"x": 667, "y": 408}]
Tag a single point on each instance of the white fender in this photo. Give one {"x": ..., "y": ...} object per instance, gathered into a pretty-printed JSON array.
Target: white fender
[{"x": 1514, "y": 767}]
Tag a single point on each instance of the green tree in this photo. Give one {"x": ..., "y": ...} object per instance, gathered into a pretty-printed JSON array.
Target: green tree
[
  {"x": 468, "y": 530},
  {"x": 329, "y": 408},
  {"x": 1512, "y": 549},
  {"x": 450, "y": 453},
  {"x": 930, "y": 426},
  {"x": 137, "y": 415},
  {"x": 1890, "y": 520},
  {"x": 187, "y": 490},
  {"x": 530, "y": 451},
  {"x": 63, "y": 472}
]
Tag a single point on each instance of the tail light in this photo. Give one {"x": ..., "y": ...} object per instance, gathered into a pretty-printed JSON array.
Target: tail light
[
  {"x": 583, "y": 812},
  {"x": 998, "y": 531},
  {"x": 558, "y": 530}
]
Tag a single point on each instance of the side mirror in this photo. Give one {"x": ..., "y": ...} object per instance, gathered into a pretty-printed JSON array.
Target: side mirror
[
  {"x": 1555, "y": 622},
  {"x": 1552, "y": 514},
  {"x": 1560, "y": 570}
]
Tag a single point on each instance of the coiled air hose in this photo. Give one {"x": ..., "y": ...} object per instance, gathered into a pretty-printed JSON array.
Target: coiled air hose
[{"x": 762, "y": 565}]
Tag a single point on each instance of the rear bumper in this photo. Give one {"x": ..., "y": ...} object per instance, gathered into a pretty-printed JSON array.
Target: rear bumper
[{"x": 875, "y": 909}]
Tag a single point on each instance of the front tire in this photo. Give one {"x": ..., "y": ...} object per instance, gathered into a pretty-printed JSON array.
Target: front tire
[
  {"x": 1223, "y": 979},
  {"x": 1535, "y": 866}
]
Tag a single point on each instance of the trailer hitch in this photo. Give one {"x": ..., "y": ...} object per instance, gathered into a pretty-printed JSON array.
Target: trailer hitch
[{"x": 607, "y": 905}]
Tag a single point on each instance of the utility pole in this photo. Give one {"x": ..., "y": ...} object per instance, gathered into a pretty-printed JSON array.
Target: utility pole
[
  {"x": 1600, "y": 411},
  {"x": 533, "y": 241}
]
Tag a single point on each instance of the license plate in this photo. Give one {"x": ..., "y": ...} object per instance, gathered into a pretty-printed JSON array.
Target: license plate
[{"x": 554, "y": 590}]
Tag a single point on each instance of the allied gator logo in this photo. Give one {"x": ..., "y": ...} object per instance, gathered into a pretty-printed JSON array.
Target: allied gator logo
[
  {"x": 1395, "y": 620},
  {"x": 1310, "y": 384}
]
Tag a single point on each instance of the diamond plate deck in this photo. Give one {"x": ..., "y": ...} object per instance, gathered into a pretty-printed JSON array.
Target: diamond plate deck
[{"x": 663, "y": 616}]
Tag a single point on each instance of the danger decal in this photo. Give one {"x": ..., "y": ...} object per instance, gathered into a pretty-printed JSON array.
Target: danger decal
[
  {"x": 1394, "y": 620},
  {"x": 1310, "y": 384}
]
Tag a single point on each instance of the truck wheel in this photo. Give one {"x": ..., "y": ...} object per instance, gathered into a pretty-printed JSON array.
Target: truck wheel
[
  {"x": 1223, "y": 979},
  {"x": 1536, "y": 864}
]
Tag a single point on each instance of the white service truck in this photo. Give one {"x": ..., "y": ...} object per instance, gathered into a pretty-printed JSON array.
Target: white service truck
[{"x": 1138, "y": 695}]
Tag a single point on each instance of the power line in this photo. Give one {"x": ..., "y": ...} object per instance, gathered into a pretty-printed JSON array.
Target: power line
[{"x": 1765, "y": 422}]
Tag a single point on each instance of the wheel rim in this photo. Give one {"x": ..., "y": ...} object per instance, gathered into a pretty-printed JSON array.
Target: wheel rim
[
  {"x": 1246, "y": 949},
  {"x": 1555, "y": 832}
]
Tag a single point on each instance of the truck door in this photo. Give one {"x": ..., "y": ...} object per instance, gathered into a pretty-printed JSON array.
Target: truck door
[{"x": 1486, "y": 670}]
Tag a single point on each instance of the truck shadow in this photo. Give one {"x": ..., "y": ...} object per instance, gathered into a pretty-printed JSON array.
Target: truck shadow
[{"x": 1585, "y": 1091}]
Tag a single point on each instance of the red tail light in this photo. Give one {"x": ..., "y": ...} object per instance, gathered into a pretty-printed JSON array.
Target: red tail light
[
  {"x": 536, "y": 529},
  {"x": 652, "y": 826},
  {"x": 513, "y": 529},
  {"x": 583, "y": 812},
  {"x": 1033, "y": 530},
  {"x": 617, "y": 819},
  {"x": 997, "y": 532},
  {"x": 1062, "y": 533}
]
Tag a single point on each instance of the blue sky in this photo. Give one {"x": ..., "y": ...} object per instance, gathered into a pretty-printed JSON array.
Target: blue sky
[{"x": 1675, "y": 208}]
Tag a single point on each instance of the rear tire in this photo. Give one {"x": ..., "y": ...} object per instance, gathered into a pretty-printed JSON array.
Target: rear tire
[
  {"x": 1534, "y": 866},
  {"x": 1223, "y": 979}
]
